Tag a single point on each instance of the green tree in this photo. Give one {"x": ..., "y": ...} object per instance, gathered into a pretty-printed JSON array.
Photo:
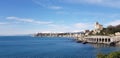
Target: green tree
[
  {"x": 110, "y": 55},
  {"x": 114, "y": 55},
  {"x": 101, "y": 55}
]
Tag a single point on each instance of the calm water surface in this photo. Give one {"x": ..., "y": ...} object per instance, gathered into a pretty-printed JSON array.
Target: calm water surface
[{"x": 45, "y": 47}]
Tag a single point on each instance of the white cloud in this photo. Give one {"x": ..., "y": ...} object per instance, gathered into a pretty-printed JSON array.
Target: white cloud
[
  {"x": 62, "y": 12},
  {"x": 59, "y": 28},
  {"x": 55, "y": 7},
  {"x": 47, "y": 4},
  {"x": 28, "y": 20},
  {"x": 81, "y": 1},
  {"x": 10, "y": 31},
  {"x": 108, "y": 3},
  {"x": 94, "y": 1},
  {"x": 83, "y": 25},
  {"x": 46, "y": 31},
  {"x": 80, "y": 25},
  {"x": 3, "y": 23},
  {"x": 77, "y": 27},
  {"x": 114, "y": 23}
]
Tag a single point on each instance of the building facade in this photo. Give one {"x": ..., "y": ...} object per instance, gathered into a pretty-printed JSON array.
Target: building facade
[{"x": 98, "y": 28}]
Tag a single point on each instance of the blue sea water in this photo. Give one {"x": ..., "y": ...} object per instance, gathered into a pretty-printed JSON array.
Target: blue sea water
[{"x": 46, "y": 47}]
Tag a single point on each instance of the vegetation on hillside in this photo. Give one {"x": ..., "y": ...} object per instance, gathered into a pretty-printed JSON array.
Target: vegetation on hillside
[
  {"x": 110, "y": 55},
  {"x": 110, "y": 30}
]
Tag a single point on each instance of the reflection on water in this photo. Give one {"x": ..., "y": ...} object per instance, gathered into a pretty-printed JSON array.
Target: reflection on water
[{"x": 103, "y": 45}]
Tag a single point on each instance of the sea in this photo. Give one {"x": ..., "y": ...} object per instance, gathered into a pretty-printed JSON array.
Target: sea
[{"x": 50, "y": 47}]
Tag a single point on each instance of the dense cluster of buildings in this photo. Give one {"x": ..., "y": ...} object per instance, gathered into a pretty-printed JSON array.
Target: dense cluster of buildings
[{"x": 85, "y": 36}]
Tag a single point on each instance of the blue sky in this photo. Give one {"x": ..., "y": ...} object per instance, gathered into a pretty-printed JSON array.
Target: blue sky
[{"x": 31, "y": 16}]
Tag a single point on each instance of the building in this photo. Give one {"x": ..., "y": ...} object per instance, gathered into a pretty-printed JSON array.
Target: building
[
  {"x": 98, "y": 28},
  {"x": 117, "y": 33}
]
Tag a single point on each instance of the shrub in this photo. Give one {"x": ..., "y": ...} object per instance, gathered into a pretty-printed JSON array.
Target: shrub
[{"x": 110, "y": 55}]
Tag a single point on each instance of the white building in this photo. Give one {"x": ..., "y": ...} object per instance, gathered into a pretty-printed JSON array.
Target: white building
[{"x": 117, "y": 34}]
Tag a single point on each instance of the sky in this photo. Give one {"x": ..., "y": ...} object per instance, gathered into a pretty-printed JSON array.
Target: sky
[{"x": 32, "y": 16}]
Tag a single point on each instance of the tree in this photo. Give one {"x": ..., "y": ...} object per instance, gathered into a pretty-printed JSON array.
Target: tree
[
  {"x": 101, "y": 55},
  {"x": 110, "y": 55},
  {"x": 114, "y": 55}
]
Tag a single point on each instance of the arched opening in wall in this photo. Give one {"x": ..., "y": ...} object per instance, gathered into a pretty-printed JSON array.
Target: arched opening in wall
[
  {"x": 102, "y": 39},
  {"x": 105, "y": 39},
  {"x": 108, "y": 39},
  {"x": 97, "y": 39}
]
